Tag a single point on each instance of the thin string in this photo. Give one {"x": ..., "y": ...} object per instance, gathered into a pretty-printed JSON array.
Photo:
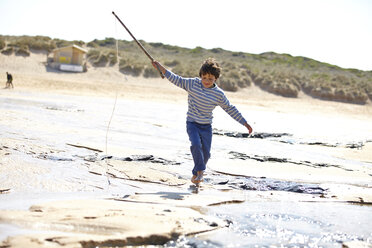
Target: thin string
[
  {"x": 113, "y": 111},
  {"x": 107, "y": 131}
]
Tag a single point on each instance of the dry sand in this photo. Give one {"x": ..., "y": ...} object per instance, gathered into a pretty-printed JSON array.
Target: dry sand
[
  {"x": 152, "y": 215},
  {"x": 31, "y": 74}
]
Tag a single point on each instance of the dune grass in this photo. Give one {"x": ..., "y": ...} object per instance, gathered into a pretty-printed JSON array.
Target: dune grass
[{"x": 280, "y": 74}]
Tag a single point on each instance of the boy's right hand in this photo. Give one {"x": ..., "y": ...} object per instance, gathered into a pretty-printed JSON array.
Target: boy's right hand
[{"x": 158, "y": 66}]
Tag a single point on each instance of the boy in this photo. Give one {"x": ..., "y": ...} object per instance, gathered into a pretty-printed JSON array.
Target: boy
[{"x": 203, "y": 96}]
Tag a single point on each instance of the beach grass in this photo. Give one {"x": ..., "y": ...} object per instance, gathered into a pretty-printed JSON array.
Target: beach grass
[{"x": 280, "y": 74}]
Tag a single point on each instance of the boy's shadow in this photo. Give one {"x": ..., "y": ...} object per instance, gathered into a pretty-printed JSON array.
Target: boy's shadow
[{"x": 194, "y": 188}]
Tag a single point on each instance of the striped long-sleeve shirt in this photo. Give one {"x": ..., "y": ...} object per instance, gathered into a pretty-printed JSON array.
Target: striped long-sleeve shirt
[{"x": 202, "y": 101}]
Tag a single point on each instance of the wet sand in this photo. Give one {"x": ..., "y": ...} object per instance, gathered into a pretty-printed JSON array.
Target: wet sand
[{"x": 61, "y": 186}]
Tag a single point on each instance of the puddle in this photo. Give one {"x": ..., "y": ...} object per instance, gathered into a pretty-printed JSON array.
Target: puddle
[
  {"x": 63, "y": 108},
  {"x": 288, "y": 138},
  {"x": 54, "y": 158},
  {"x": 265, "y": 184},
  {"x": 256, "y": 135},
  {"x": 149, "y": 158},
  {"x": 242, "y": 156},
  {"x": 132, "y": 158}
]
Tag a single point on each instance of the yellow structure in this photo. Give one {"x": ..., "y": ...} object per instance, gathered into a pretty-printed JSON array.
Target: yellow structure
[{"x": 70, "y": 58}]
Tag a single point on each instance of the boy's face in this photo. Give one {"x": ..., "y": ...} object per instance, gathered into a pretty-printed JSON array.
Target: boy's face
[{"x": 208, "y": 80}]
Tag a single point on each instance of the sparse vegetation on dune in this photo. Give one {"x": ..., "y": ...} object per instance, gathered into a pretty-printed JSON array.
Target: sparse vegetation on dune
[
  {"x": 34, "y": 43},
  {"x": 280, "y": 74}
]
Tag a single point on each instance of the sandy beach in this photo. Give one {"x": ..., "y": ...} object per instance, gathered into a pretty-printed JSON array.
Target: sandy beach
[{"x": 67, "y": 182}]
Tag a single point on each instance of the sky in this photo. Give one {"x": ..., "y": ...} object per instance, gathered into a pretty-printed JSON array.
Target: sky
[{"x": 337, "y": 32}]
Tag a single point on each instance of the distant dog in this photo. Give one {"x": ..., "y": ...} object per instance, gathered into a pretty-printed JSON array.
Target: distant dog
[{"x": 9, "y": 81}]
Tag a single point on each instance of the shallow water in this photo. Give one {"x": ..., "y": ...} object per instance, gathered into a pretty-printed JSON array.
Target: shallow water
[
  {"x": 286, "y": 224},
  {"x": 158, "y": 129}
]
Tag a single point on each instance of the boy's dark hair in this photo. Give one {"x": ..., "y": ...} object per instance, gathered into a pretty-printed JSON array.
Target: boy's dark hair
[{"x": 210, "y": 66}]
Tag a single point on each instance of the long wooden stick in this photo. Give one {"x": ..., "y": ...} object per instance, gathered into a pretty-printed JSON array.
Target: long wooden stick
[{"x": 138, "y": 43}]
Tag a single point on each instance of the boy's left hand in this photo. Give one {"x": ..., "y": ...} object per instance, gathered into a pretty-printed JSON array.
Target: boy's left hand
[{"x": 250, "y": 130}]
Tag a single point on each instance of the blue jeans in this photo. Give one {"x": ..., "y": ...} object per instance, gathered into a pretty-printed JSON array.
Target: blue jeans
[{"x": 200, "y": 136}]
